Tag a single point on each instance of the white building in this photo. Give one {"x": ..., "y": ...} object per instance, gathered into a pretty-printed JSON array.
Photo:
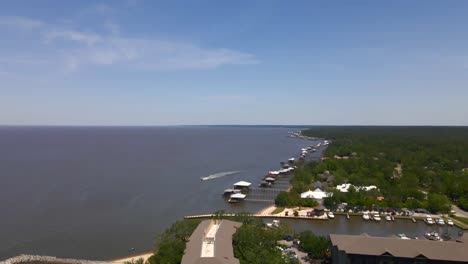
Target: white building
[
  {"x": 317, "y": 194},
  {"x": 345, "y": 187}
]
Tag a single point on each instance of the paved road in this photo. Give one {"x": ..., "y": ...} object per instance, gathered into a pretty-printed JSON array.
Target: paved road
[{"x": 459, "y": 211}]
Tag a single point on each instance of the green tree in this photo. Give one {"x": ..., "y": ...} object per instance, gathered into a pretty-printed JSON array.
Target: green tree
[
  {"x": 317, "y": 246},
  {"x": 438, "y": 203}
]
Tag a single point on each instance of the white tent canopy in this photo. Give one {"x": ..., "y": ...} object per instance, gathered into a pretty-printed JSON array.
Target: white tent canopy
[{"x": 316, "y": 194}]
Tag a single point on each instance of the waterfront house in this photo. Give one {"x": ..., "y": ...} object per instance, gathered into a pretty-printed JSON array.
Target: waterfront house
[
  {"x": 211, "y": 242},
  {"x": 366, "y": 249},
  {"x": 318, "y": 184}
]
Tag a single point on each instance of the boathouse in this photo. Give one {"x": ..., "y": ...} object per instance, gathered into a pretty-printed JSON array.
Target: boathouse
[
  {"x": 242, "y": 185},
  {"x": 211, "y": 242}
]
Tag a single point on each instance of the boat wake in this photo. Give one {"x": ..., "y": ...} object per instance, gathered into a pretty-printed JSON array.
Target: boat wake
[{"x": 219, "y": 175}]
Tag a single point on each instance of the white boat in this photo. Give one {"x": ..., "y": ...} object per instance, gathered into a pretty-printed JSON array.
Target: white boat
[
  {"x": 440, "y": 221},
  {"x": 432, "y": 236},
  {"x": 347, "y": 216},
  {"x": 403, "y": 236},
  {"x": 275, "y": 223},
  {"x": 376, "y": 217},
  {"x": 429, "y": 220},
  {"x": 228, "y": 192},
  {"x": 331, "y": 215},
  {"x": 365, "y": 216},
  {"x": 449, "y": 222},
  {"x": 388, "y": 218}
]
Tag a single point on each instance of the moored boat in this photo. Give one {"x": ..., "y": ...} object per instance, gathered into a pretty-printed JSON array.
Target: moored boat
[
  {"x": 228, "y": 192},
  {"x": 429, "y": 220},
  {"x": 432, "y": 236},
  {"x": 365, "y": 216},
  {"x": 330, "y": 215},
  {"x": 449, "y": 222},
  {"x": 376, "y": 217},
  {"x": 388, "y": 218},
  {"x": 440, "y": 221}
]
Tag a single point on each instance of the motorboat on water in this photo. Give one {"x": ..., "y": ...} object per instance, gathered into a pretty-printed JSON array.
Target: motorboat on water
[
  {"x": 347, "y": 216},
  {"x": 330, "y": 215},
  {"x": 413, "y": 219},
  {"x": 449, "y": 222},
  {"x": 388, "y": 218},
  {"x": 429, "y": 220}
]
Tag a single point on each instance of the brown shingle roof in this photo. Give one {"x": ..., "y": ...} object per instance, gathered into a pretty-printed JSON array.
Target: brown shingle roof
[
  {"x": 376, "y": 246},
  {"x": 223, "y": 251}
]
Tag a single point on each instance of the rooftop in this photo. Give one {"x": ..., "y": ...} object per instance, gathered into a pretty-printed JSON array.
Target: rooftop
[
  {"x": 377, "y": 246},
  {"x": 242, "y": 184},
  {"x": 211, "y": 243}
]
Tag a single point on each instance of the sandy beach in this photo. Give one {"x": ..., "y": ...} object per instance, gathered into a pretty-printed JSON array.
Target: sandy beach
[{"x": 144, "y": 256}]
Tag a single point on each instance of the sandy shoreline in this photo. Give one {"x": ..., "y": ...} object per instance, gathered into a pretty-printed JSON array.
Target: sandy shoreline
[{"x": 144, "y": 256}]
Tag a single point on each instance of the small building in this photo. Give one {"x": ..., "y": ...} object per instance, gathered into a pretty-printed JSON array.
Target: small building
[
  {"x": 366, "y": 249},
  {"x": 317, "y": 194},
  {"x": 242, "y": 185},
  {"x": 211, "y": 243}
]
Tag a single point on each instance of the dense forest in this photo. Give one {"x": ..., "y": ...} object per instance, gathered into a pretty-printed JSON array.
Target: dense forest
[{"x": 414, "y": 167}]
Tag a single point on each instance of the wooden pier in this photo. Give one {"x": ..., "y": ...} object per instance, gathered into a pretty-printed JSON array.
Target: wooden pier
[{"x": 253, "y": 215}]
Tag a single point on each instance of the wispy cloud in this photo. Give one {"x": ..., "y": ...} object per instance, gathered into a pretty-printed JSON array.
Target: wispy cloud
[
  {"x": 16, "y": 22},
  {"x": 72, "y": 49},
  {"x": 71, "y": 35}
]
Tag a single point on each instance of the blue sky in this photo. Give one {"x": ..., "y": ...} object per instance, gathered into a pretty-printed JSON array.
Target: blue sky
[{"x": 131, "y": 62}]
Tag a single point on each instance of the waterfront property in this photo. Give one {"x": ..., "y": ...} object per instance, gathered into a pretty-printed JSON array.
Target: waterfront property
[
  {"x": 211, "y": 242},
  {"x": 366, "y": 249}
]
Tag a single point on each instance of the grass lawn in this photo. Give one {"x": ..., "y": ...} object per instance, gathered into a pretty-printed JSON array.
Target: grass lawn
[
  {"x": 278, "y": 210},
  {"x": 462, "y": 219}
]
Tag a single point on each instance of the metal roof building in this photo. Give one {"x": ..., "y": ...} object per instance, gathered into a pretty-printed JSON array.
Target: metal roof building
[
  {"x": 366, "y": 249},
  {"x": 211, "y": 243}
]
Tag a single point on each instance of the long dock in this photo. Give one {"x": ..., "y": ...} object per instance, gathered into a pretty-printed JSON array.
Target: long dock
[{"x": 254, "y": 215}]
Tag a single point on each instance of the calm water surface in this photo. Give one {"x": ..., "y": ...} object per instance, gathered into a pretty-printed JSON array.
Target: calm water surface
[{"x": 96, "y": 192}]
